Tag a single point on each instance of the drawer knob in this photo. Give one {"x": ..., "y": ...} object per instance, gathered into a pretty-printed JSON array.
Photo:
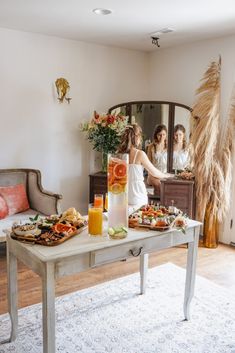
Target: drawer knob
[{"x": 136, "y": 253}]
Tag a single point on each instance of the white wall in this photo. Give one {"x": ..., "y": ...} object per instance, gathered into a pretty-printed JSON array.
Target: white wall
[
  {"x": 38, "y": 132},
  {"x": 175, "y": 75}
]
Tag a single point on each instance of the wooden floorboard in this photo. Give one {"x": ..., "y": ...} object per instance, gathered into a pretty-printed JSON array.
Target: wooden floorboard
[{"x": 215, "y": 264}]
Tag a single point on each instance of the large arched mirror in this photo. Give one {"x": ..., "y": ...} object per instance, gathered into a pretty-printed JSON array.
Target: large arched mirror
[{"x": 167, "y": 124}]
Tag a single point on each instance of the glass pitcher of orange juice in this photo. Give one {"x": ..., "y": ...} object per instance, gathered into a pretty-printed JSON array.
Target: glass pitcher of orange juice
[{"x": 95, "y": 220}]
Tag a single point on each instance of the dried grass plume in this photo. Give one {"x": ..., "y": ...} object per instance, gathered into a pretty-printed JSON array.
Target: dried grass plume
[
  {"x": 206, "y": 114},
  {"x": 212, "y": 147}
]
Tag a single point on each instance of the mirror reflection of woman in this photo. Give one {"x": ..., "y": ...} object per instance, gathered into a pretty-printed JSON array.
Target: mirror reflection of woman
[
  {"x": 180, "y": 150},
  {"x": 157, "y": 150},
  {"x": 157, "y": 154},
  {"x": 131, "y": 143}
]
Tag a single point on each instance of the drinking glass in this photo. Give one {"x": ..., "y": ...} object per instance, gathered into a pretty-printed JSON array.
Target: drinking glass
[
  {"x": 106, "y": 202},
  {"x": 98, "y": 201},
  {"x": 95, "y": 220}
]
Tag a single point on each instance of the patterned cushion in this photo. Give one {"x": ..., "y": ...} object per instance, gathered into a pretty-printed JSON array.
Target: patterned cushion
[
  {"x": 15, "y": 197},
  {"x": 3, "y": 208}
]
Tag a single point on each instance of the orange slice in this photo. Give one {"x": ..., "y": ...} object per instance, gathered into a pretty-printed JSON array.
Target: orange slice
[
  {"x": 114, "y": 160},
  {"x": 119, "y": 170},
  {"x": 60, "y": 228},
  {"x": 116, "y": 188},
  {"x": 111, "y": 180},
  {"x": 122, "y": 181}
]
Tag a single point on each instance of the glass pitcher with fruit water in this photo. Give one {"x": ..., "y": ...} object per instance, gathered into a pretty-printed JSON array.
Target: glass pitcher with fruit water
[{"x": 118, "y": 195}]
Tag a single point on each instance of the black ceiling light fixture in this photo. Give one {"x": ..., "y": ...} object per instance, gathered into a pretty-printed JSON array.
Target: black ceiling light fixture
[
  {"x": 155, "y": 41},
  {"x": 155, "y": 36}
]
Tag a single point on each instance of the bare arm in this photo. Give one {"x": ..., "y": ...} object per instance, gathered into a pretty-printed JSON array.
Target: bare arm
[{"x": 150, "y": 167}]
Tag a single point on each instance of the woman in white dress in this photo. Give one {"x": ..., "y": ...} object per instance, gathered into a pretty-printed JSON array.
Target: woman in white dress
[
  {"x": 157, "y": 150},
  {"x": 138, "y": 160},
  {"x": 180, "y": 151},
  {"x": 157, "y": 154}
]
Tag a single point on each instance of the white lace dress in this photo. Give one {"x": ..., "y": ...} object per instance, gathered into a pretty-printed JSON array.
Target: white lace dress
[
  {"x": 160, "y": 161},
  {"x": 180, "y": 159}
]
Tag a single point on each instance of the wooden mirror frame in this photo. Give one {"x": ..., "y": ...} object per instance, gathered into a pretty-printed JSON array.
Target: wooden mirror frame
[{"x": 171, "y": 122}]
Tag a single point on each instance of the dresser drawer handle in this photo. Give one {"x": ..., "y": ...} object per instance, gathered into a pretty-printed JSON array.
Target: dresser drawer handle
[{"x": 137, "y": 253}]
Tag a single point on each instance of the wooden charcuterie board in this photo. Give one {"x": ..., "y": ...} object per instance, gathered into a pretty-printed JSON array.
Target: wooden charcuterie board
[
  {"x": 140, "y": 226},
  {"x": 38, "y": 240},
  {"x": 158, "y": 214}
]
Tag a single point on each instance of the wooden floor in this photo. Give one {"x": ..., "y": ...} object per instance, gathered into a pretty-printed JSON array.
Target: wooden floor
[{"x": 215, "y": 264}]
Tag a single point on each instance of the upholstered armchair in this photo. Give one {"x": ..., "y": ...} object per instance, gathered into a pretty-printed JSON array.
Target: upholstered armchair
[{"x": 40, "y": 201}]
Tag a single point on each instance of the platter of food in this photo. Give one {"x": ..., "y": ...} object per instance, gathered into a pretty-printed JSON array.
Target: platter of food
[
  {"x": 185, "y": 174},
  {"x": 50, "y": 231},
  {"x": 159, "y": 218}
]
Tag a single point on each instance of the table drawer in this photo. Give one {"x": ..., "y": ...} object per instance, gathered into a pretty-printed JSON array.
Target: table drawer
[{"x": 123, "y": 251}]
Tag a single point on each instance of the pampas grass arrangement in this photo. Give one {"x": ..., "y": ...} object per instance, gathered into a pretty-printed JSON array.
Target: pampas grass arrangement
[
  {"x": 212, "y": 160},
  {"x": 204, "y": 138},
  {"x": 225, "y": 154}
]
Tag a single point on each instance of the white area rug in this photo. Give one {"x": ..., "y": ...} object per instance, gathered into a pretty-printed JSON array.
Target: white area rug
[{"x": 113, "y": 318}]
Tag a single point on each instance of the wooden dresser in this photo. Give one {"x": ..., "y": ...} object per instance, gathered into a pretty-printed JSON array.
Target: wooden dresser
[
  {"x": 182, "y": 192},
  {"x": 98, "y": 185}
]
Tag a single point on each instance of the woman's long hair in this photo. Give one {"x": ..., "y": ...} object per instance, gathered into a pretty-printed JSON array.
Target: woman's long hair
[
  {"x": 157, "y": 130},
  {"x": 180, "y": 127},
  {"x": 130, "y": 138}
]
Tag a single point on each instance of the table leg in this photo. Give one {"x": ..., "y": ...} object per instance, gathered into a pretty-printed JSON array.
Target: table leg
[
  {"x": 143, "y": 272},
  {"x": 48, "y": 309},
  {"x": 191, "y": 273},
  {"x": 12, "y": 289}
]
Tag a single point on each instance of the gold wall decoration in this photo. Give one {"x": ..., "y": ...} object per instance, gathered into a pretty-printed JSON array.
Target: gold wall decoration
[{"x": 62, "y": 87}]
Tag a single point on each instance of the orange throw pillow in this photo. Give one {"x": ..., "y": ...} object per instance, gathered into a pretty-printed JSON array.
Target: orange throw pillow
[
  {"x": 16, "y": 198},
  {"x": 3, "y": 208}
]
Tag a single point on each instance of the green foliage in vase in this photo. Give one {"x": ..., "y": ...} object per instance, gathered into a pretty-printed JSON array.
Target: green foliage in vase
[{"x": 103, "y": 139}]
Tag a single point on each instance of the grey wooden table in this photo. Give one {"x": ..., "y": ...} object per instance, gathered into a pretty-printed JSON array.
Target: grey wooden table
[{"x": 81, "y": 253}]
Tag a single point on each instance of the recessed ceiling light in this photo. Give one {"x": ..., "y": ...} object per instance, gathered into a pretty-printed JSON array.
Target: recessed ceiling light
[
  {"x": 100, "y": 11},
  {"x": 163, "y": 31}
]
